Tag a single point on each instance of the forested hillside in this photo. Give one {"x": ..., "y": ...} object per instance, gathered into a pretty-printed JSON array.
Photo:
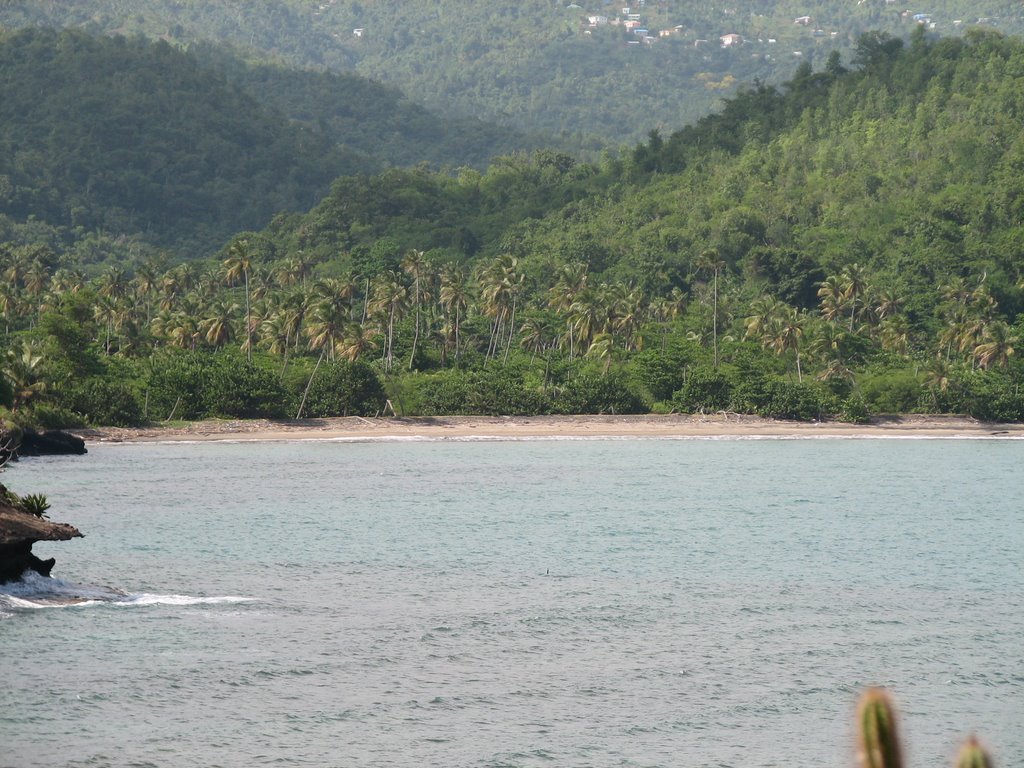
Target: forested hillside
[
  {"x": 595, "y": 72},
  {"x": 109, "y": 138},
  {"x": 849, "y": 243}
]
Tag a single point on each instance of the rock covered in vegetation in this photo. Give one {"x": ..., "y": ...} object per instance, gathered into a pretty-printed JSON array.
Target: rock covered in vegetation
[{"x": 19, "y": 530}]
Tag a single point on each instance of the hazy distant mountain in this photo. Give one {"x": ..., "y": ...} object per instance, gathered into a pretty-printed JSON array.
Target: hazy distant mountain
[
  {"x": 131, "y": 137},
  {"x": 592, "y": 70}
]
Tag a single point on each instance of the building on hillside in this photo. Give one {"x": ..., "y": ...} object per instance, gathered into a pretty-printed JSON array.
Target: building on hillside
[
  {"x": 597, "y": 21},
  {"x": 802, "y": 20},
  {"x": 358, "y": 32},
  {"x": 731, "y": 40}
]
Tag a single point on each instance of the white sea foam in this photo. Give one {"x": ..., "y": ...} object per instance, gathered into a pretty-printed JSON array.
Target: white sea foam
[{"x": 35, "y": 591}]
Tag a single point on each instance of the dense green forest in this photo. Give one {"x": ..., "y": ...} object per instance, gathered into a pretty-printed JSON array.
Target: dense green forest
[
  {"x": 108, "y": 139},
  {"x": 846, "y": 244},
  {"x": 579, "y": 70}
]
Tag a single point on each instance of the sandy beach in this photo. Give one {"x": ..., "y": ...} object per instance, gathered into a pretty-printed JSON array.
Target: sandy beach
[{"x": 517, "y": 427}]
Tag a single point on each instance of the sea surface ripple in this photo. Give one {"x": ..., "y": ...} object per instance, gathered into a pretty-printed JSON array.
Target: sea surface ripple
[{"x": 516, "y": 603}]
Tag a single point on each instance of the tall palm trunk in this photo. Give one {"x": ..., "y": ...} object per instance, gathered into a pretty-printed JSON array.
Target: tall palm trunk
[
  {"x": 511, "y": 331},
  {"x": 248, "y": 320},
  {"x": 416, "y": 329},
  {"x": 714, "y": 321}
]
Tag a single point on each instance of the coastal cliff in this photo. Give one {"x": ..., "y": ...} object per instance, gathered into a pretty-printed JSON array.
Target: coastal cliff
[{"x": 19, "y": 530}]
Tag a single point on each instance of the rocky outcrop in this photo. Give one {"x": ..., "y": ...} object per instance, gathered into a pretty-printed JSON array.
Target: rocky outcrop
[
  {"x": 52, "y": 442},
  {"x": 18, "y": 532},
  {"x": 15, "y": 442}
]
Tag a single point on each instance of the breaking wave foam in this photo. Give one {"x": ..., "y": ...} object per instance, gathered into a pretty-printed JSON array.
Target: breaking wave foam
[{"x": 35, "y": 591}]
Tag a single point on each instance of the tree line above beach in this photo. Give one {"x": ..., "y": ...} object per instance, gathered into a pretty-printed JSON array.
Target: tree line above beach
[{"x": 845, "y": 244}]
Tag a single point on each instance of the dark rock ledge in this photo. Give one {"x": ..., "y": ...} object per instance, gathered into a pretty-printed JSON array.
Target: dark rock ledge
[
  {"x": 18, "y": 532},
  {"x": 15, "y": 443}
]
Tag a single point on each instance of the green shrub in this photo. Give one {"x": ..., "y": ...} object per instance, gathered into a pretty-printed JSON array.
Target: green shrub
[
  {"x": 591, "y": 392},
  {"x": 705, "y": 390},
  {"x": 445, "y": 394},
  {"x": 854, "y": 410},
  {"x": 237, "y": 388},
  {"x": 345, "y": 389},
  {"x": 503, "y": 392},
  {"x": 175, "y": 386},
  {"x": 101, "y": 402},
  {"x": 661, "y": 371},
  {"x": 993, "y": 396},
  {"x": 50, "y": 416},
  {"x": 891, "y": 392},
  {"x": 800, "y": 401}
]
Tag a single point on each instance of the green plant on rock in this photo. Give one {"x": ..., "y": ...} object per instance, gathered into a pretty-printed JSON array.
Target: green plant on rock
[{"x": 35, "y": 504}]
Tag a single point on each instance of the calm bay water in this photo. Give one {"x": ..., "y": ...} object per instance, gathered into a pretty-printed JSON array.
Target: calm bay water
[{"x": 555, "y": 603}]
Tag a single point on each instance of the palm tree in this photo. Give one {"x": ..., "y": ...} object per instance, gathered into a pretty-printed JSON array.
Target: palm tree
[
  {"x": 629, "y": 313},
  {"x": 104, "y": 311},
  {"x": 997, "y": 347},
  {"x": 763, "y": 311},
  {"x": 10, "y": 305},
  {"x": 500, "y": 285},
  {"x": 36, "y": 281},
  {"x": 895, "y": 334},
  {"x": 709, "y": 262},
  {"x": 325, "y": 329},
  {"x": 113, "y": 283},
  {"x": 145, "y": 281},
  {"x": 787, "y": 329},
  {"x": 390, "y": 301},
  {"x": 356, "y": 340},
  {"x": 833, "y": 298},
  {"x": 570, "y": 283},
  {"x": 183, "y": 330},
  {"x": 536, "y": 335},
  {"x": 275, "y": 336},
  {"x": 855, "y": 284},
  {"x": 67, "y": 280},
  {"x": 415, "y": 265},
  {"x": 238, "y": 264},
  {"x": 588, "y": 317},
  {"x": 602, "y": 348},
  {"x": 454, "y": 299},
  {"x": 889, "y": 304},
  {"x": 24, "y": 370},
  {"x": 827, "y": 346},
  {"x": 217, "y": 327},
  {"x": 295, "y": 308}
]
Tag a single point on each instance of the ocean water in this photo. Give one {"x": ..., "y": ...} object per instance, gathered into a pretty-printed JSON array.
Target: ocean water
[{"x": 517, "y": 603}]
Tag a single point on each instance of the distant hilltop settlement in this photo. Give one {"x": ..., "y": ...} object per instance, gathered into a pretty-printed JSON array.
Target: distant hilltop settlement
[{"x": 632, "y": 19}]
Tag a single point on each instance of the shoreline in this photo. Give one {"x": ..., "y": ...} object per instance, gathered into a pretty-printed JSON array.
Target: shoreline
[{"x": 674, "y": 426}]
